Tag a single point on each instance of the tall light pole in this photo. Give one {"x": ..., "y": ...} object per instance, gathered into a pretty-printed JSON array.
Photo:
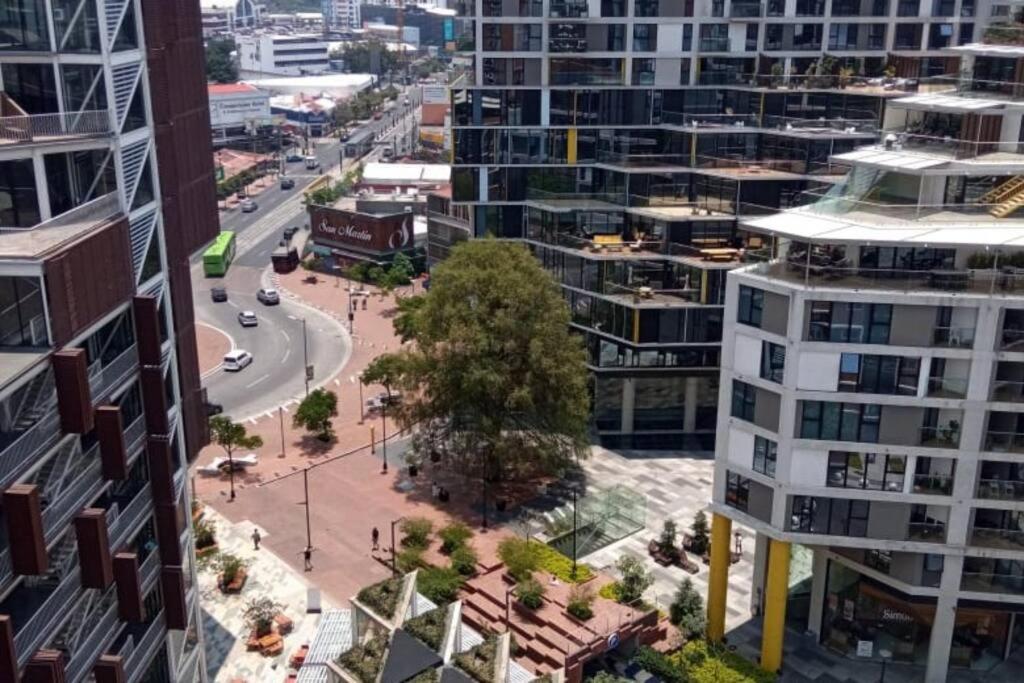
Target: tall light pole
[
  {"x": 231, "y": 475},
  {"x": 305, "y": 356},
  {"x": 384, "y": 430},
  {"x": 305, "y": 487},
  {"x": 574, "y": 532}
]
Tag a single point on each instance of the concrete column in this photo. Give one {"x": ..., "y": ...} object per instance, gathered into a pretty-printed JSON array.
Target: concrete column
[
  {"x": 761, "y": 543},
  {"x": 718, "y": 579},
  {"x": 690, "y": 404},
  {"x": 773, "y": 629},
  {"x": 945, "y": 619},
  {"x": 628, "y": 403},
  {"x": 819, "y": 571},
  {"x": 42, "y": 189}
]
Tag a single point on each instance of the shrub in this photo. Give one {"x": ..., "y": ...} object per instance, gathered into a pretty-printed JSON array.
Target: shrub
[
  {"x": 229, "y": 565},
  {"x": 660, "y": 665},
  {"x": 667, "y": 540},
  {"x": 440, "y": 585},
  {"x": 557, "y": 564},
  {"x": 428, "y": 627},
  {"x": 428, "y": 676},
  {"x": 707, "y": 663},
  {"x": 364, "y": 661},
  {"x": 479, "y": 661},
  {"x": 417, "y": 532},
  {"x": 464, "y": 560},
  {"x": 382, "y": 597},
  {"x": 699, "y": 540},
  {"x": 607, "y": 677},
  {"x": 520, "y": 557},
  {"x": 634, "y": 579},
  {"x": 205, "y": 533},
  {"x": 531, "y": 593},
  {"x": 454, "y": 536},
  {"x": 610, "y": 591},
  {"x": 580, "y": 600},
  {"x": 410, "y": 559},
  {"x": 259, "y": 614},
  {"x": 687, "y": 610}
]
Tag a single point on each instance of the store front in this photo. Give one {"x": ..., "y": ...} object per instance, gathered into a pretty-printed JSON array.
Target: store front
[
  {"x": 342, "y": 237},
  {"x": 862, "y": 615}
]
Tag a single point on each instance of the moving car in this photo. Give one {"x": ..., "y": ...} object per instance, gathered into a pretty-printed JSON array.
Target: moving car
[
  {"x": 287, "y": 183},
  {"x": 293, "y": 158},
  {"x": 247, "y": 319},
  {"x": 237, "y": 360},
  {"x": 268, "y": 297},
  {"x": 312, "y": 162},
  {"x": 407, "y": 101},
  {"x": 290, "y": 232},
  {"x": 248, "y": 206},
  {"x": 388, "y": 154},
  {"x": 219, "y": 294},
  {"x": 213, "y": 409}
]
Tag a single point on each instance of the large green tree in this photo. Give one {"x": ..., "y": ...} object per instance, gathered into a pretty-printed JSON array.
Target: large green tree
[
  {"x": 220, "y": 66},
  {"x": 315, "y": 412},
  {"x": 368, "y": 57},
  {"x": 231, "y": 436},
  {"x": 493, "y": 376}
]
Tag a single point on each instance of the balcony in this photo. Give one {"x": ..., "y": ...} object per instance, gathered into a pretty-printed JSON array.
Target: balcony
[
  {"x": 986, "y": 582},
  {"x": 926, "y": 532},
  {"x": 946, "y": 436},
  {"x": 42, "y": 607},
  {"x": 18, "y": 127},
  {"x": 947, "y": 387},
  {"x": 97, "y": 631},
  {"x": 83, "y": 216},
  {"x": 28, "y": 446},
  {"x": 696, "y": 120},
  {"x": 1004, "y": 442},
  {"x": 746, "y": 10},
  {"x": 954, "y": 149},
  {"x": 953, "y": 337},
  {"x": 1003, "y": 539},
  {"x": 714, "y": 44},
  {"x": 1000, "y": 489},
  {"x": 933, "y": 484},
  {"x": 122, "y": 522},
  {"x": 140, "y": 653},
  {"x": 103, "y": 379}
]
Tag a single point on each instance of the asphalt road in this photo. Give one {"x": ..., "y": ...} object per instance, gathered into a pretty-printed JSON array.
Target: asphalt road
[{"x": 276, "y": 375}]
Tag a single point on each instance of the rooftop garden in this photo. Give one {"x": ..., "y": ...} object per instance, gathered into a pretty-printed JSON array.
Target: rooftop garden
[
  {"x": 701, "y": 662},
  {"x": 382, "y": 597},
  {"x": 365, "y": 661},
  {"x": 428, "y": 628},
  {"x": 479, "y": 661}
]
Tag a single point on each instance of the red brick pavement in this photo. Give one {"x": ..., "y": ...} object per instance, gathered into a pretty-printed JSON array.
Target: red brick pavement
[{"x": 213, "y": 344}]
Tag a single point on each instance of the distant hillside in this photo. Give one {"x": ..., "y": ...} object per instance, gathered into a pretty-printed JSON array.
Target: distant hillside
[{"x": 285, "y": 6}]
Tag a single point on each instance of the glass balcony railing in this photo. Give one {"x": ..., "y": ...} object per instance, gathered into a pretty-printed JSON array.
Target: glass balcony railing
[
  {"x": 36, "y": 128},
  {"x": 992, "y": 583},
  {"x": 947, "y": 387},
  {"x": 939, "y": 437},
  {"x": 953, "y": 337},
  {"x": 1012, "y": 339},
  {"x": 933, "y": 484},
  {"x": 87, "y": 214},
  {"x": 714, "y": 44},
  {"x": 948, "y": 147},
  {"x": 1007, "y": 391},
  {"x": 1000, "y": 489},
  {"x": 928, "y": 532},
  {"x": 1006, "y": 539},
  {"x": 1004, "y": 442}
]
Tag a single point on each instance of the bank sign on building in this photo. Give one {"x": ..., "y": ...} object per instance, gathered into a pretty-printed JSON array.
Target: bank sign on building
[{"x": 350, "y": 236}]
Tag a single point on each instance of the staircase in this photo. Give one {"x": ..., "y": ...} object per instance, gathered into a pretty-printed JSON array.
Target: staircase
[{"x": 1007, "y": 197}]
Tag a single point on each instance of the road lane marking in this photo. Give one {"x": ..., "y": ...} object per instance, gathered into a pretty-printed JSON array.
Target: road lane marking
[
  {"x": 287, "y": 339},
  {"x": 252, "y": 384},
  {"x": 287, "y": 352}
]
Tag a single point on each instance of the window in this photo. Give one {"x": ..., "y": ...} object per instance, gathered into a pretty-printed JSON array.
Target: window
[
  {"x": 851, "y": 323},
  {"x": 645, "y": 37},
  {"x": 764, "y": 456},
  {"x": 878, "y": 559},
  {"x": 832, "y": 421},
  {"x": 751, "y": 306},
  {"x": 872, "y": 471},
  {"x": 737, "y": 491},
  {"x": 871, "y": 374},
  {"x": 834, "y": 516},
  {"x": 687, "y": 37},
  {"x": 773, "y": 361},
  {"x": 908, "y": 8},
  {"x": 743, "y": 398}
]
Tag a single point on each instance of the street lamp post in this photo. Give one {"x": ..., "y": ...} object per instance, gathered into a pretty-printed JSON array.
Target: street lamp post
[
  {"x": 384, "y": 431},
  {"x": 361, "y": 414},
  {"x": 574, "y": 532},
  {"x": 231, "y": 475},
  {"x": 885, "y": 655},
  {"x": 305, "y": 356},
  {"x": 305, "y": 487},
  {"x": 394, "y": 564}
]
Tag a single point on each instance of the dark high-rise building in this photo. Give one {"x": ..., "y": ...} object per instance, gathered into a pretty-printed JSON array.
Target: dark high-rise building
[{"x": 106, "y": 188}]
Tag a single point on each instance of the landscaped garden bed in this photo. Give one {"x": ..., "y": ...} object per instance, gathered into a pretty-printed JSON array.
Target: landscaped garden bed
[
  {"x": 382, "y": 597},
  {"x": 365, "y": 661},
  {"x": 428, "y": 627},
  {"x": 479, "y": 661}
]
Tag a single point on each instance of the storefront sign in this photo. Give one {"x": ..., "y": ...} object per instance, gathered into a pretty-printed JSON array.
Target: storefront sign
[
  {"x": 889, "y": 614},
  {"x": 865, "y": 648},
  {"x": 340, "y": 227}
]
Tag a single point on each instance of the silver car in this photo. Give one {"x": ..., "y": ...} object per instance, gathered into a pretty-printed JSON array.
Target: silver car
[{"x": 248, "y": 319}]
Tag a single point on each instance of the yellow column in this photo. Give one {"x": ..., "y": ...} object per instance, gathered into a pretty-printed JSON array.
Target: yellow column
[
  {"x": 718, "y": 580},
  {"x": 776, "y": 591},
  {"x": 570, "y": 153}
]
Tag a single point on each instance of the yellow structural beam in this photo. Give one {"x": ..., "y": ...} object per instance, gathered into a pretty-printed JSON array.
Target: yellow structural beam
[
  {"x": 571, "y": 139},
  {"x": 776, "y": 592},
  {"x": 718, "y": 581}
]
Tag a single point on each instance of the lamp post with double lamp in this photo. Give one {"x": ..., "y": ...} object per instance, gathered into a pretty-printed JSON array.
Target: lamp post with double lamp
[
  {"x": 885, "y": 655},
  {"x": 384, "y": 430},
  {"x": 394, "y": 561}
]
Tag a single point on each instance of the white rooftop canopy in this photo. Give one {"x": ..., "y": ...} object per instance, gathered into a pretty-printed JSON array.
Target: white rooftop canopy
[
  {"x": 990, "y": 49},
  {"x": 951, "y": 102},
  {"x": 891, "y": 159},
  {"x": 803, "y": 225}
]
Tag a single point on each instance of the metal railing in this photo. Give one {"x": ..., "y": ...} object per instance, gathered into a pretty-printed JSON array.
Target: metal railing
[
  {"x": 953, "y": 337},
  {"x": 52, "y": 127},
  {"x": 1011, "y": 539},
  {"x": 89, "y": 213},
  {"x": 38, "y": 627},
  {"x": 858, "y": 126},
  {"x": 134, "y": 437},
  {"x": 933, "y": 484},
  {"x": 1007, "y": 391},
  {"x": 95, "y": 642},
  {"x": 83, "y": 489},
  {"x": 947, "y": 387},
  {"x": 991, "y": 583},
  {"x": 143, "y": 651},
  {"x": 149, "y": 570},
  {"x": 946, "y": 146},
  {"x": 1000, "y": 489},
  {"x": 1004, "y": 442},
  {"x": 124, "y": 522},
  {"x": 105, "y": 378},
  {"x": 34, "y": 440},
  {"x": 929, "y": 532}
]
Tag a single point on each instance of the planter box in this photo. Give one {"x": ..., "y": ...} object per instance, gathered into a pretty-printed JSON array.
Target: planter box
[
  {"x": 207, "y": 550},
  {"x": 236, "y": 585}
]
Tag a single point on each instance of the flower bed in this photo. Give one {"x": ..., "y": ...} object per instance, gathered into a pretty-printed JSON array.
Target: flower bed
[
  {"x": 428, "y": 628},
  {"x": 708, "y": 664},
  {"x": 479, "y": 661},
  {"x": 364, "y": 661},
  {"x": 382, "y": 597},
  {"x": 557, "y": 564}
]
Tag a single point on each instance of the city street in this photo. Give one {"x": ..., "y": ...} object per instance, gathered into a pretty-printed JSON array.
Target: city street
[{"x": 276, "y": 377}]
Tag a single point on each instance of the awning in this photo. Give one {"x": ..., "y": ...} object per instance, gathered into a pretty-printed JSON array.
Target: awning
[
  {"x": 908, "y": 161},
  {"x": 954, "y": 103}
]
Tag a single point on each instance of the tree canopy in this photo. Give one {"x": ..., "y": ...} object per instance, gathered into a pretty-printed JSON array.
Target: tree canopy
[
  {"x": 368, "y": 57},
  {"x": 231, "y": 435},
  {"x": 220, "y": 67},
  {"x": 494, "y": 376},
  {"x": 315, "y": 412}
]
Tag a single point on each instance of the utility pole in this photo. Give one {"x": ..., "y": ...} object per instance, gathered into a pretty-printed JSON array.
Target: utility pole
[
  {"x": 384, "y": 432},
  {"x": 305, "y": 356},
  {"x": 280, "y": 415},
  {"x": 305, "y": 487},
  {"x": 574, "y": 531}
]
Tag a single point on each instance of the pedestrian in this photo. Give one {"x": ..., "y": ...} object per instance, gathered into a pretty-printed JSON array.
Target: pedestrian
[
  {"x": 256, "y": 538},
  {"x": 307, "y": 556},
  {"x": 375, "y": 535}
]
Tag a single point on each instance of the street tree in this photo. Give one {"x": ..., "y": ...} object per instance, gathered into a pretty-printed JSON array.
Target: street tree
[
  {"x": 315, "y": 412},
  {"x": 232, "y": 436},
  {"x": 494, "y": 375},
  {"x": 220, "y": 65},
  {"x": 687, "y": 610},
  {"x": 634, "y": 579}
]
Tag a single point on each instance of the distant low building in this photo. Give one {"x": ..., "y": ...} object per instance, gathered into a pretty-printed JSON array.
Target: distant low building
[
  {"x": 228, "y": 16},
  {"x": 380, "y": 177},
  {"x": 282, "y": 54},
  {"x": 341, "y": 14},
  {"x": 435, "y": 26},
  {"x": 336, "y": 86},
  {"x": 313, "y": 117},
  {"x": 237, "y": 109}
]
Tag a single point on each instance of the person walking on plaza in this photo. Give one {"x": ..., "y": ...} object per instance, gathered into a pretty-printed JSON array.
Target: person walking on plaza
[
  {"x": 307, "y": 556},
  {"x": 375, "y": 535},
  {"x": 256, "y": 538}
]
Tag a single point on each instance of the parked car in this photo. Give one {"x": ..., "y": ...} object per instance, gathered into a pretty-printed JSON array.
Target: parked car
[
  {"x": 247, "y": 319},
  {"x": 213, "y": 409},
  {"x": 237, "y": 360},
  {"x": 294, "y": 158},
  {"x": 219, "y": 295},
  {"x": 344, "y": 136},
  {"x": 290, "y": 232},
  {"x": 287, "y": 183},
  {"x": 248, "y": 206},
  {"x": 377, "y": 116},
  {"x": 241, "y": 194},
  {"x": 268, "y": 297},
  {"x": 388, "y": 154}
]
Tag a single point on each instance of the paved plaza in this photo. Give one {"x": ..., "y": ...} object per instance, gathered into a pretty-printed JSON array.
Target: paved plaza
[{"x": 224, "y": 629}]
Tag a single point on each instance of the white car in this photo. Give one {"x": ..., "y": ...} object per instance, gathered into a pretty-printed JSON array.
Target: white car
[
  {"x": 237, "y": 360},
  {"x": 247, "y": 319}
]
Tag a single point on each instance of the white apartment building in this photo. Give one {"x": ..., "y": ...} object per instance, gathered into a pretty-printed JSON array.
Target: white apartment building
[
  {"x": 341, "y": 14},
  {"x": 228, "y": 16},
  {"x": 282, "y": 54},
  {"x": 871, "y": 409}
]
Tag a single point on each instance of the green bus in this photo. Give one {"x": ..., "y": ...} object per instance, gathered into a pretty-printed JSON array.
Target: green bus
[{"x": 218, "y": 256}]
